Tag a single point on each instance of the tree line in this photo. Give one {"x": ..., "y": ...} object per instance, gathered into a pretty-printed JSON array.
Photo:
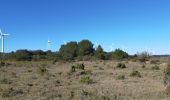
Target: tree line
[{"x": 83, "y": 50}]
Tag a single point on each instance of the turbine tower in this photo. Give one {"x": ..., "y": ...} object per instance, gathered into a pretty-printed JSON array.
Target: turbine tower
[
  {"x": 2, "y": 37},
  {"x": 49, "y": 45}
]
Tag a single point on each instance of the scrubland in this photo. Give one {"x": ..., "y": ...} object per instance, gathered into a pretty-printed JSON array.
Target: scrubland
[{"x": 83, "y": 80}]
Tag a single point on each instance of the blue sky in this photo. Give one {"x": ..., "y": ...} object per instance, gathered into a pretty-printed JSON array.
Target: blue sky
[{"x": 132, "y": 25}]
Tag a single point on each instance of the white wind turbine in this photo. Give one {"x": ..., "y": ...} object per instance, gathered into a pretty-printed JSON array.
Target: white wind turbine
[
  {"x": 49, "y": 45},
  {"x": 96, "y": 45},
  {"x": 2, "y": 37},
  {"x": 111, "y": 47},
  {"x": 64, "y": 42}
]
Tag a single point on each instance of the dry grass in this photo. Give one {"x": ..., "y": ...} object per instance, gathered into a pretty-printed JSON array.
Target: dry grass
[{"x": 22, "y": 81}]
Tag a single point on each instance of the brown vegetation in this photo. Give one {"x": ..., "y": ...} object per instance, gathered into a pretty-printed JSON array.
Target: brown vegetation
[{"x": 82, "y": 80}]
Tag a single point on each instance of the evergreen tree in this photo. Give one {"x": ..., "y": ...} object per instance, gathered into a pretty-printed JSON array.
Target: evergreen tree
[
  {"x": 69, "y": 51},
  {"x": 99, "y": 53},
  {"x": 85, "y": 47}
]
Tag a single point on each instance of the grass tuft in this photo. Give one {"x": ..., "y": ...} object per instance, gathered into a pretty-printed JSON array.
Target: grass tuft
[
  {"x": 135, "y": 73},
  {"x": 86, "y": 80}
]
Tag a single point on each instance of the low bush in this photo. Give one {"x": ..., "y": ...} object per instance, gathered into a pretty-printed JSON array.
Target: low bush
[
  {"x": 100, "y": 68},
  {"x": 86, "y": 72},
  {"x": 95, "y": 66},
  {"x": 5, "y": 81},
  {"x": 142, "y": 59},
  {"x": 119, "y": 54},
  {"x": 121, "y": 65},
  {"x": 135, "y": 73},
  {"x": 2, "y": 63},
  {"x": 54, "y": 61},
  {"x": 11, "y": 92},
  {"x": 121, "y": 77},
  {"x": 42, "y": 70},
  {"x": 85, "y": 93},
  {"x": 80, "y": 66},
  {"x": 143, "y": 66},
  {"x": 155, "y": 67},
  {"x": 154, "y": 61},
  {"x": 6, "y": 93},
  {"x": 86, "y": 80},
  {"x": 167, "y": 75},
  {"x": 73, "y": 69}
]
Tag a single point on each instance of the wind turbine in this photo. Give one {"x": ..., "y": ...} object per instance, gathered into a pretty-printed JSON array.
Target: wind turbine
[
  {"x": 49, "y": 45},
  {"x": 2, "y": 37},
  {"x": 64, "y": 42},
  {"x": 111, "y": 47},
  {"x": 96, "y": 45}
]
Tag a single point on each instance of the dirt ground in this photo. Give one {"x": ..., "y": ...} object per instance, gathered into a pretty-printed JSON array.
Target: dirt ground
[{"x": 47, "y": 81}]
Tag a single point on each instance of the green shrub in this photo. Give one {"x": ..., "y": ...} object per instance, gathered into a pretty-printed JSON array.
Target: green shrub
[
  {"x": 155, "y": 67},
  {"x": 154, "y": 61},
  {"x": 23, "y": 55},
  {"x": 100, "y": 68},
  {"x": 119, "y": 54},
  {"x": 54, "y": 61},
  {"x": 68, "y": 51},
  {"x": 99, "y": 53},
  {"x": 143, "y": 66},
  {"x": 80, "y": 66},
  {"x": 85, "y": 48},
  {"x": 86, "y": 72},
  {"x": 167, "y": 75},
  {"x": 73, "y": 69},
  {"x": 121, "y": 65},
  {"x": 135, "y": 73},
  {"x": 142, "y": 59},
  {"x": 121, "y": 77},
  {"x": 5, "y": 81},
  {"x": 30, "y": 70},
  {"x": 42, "y": 70},
  {"x": 6, "y": 93},
  {"x": 144, "y": 56},
  {"x": 95, "y": 66},
  {"x": 85, "y": 93},
  {"x": 86, "y": 79},
  {"x": 11, "y": 92},
  {"x": 2, "y": 63},
  {"x": 79, "y": 58}
]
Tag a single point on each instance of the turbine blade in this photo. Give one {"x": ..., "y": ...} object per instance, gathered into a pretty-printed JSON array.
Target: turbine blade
[
  {"x": 5, "y": 34},
  {"x": 0, "y": 31}
]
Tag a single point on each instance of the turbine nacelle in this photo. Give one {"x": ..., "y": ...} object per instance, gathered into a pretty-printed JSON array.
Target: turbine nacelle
[
  {"x": 49, "y": 41},
  {"x": 2, "y": 34}
]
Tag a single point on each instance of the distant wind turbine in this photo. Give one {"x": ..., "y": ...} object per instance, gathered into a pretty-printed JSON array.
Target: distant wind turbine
[
  {"x": 49, "y": 45},
  {"x": 64, "y": 42},
  {"x": 96, "y": 45},
  {"x": 111, "y": 47},
  {"x": 2, "y": 37}
]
